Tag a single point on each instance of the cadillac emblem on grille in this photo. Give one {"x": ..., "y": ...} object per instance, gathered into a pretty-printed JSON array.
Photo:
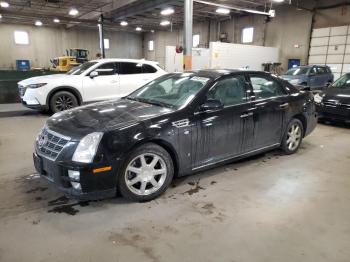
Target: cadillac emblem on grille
[{"x": 42, "y": 141}]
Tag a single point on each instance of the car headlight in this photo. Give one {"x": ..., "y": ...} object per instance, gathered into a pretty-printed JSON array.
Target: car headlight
[
  {"x": 87, "y": 148},
  {"x": 318, "y": 98},
  {"x": 36, "y": 85}
]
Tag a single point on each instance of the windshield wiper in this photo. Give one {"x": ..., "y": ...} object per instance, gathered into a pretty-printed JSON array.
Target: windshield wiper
[{"x": 150, "y": 101}]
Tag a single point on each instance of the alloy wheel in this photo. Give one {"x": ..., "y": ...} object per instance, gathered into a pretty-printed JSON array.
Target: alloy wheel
[
  {"x": 294, "y": 137},
  {"x": 145, "y": 174},
  {"x": 64, "y": 102}
]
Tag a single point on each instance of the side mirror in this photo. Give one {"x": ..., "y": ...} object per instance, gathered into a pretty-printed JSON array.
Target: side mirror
[
  {"x": 304, "y": 88},
  {"x": 93, "y": 74},
  {"x": 212, "y": 105}
]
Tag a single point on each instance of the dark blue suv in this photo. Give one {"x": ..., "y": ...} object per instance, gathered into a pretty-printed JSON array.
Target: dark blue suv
[{"x": 315, "y": 77}]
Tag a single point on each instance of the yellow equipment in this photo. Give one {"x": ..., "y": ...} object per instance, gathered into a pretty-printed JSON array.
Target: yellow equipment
[
  {"x": 74, "y": 57},
  {"x": 63, "y": 63}
]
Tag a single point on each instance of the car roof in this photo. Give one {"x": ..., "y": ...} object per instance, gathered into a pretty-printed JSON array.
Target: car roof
[
  {"x": 215, "y": 73},
  {"x": 125, "y": 60}
]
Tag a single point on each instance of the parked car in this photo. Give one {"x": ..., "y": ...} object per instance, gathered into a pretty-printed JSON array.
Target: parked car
[
  {"x": 92, "y": 81},
  {"x": 175, "y": 125},
  {"x": 314, "y": 77},
  {"x": 333, "y": 103}
]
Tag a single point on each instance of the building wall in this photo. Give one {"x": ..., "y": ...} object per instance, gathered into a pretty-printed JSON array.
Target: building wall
[
  {"x": 289, "y": 31},
  {"x": 48, "y": 42},
  {"x": 163, "y": 38}
]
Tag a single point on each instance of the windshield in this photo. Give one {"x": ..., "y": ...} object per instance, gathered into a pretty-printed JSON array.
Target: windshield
[
  {"x": 343, "y": 82},
  {"x": 297, "y": 71},
  {"x": 81, "y": 69},
  {"x": 174, "y": 90}
]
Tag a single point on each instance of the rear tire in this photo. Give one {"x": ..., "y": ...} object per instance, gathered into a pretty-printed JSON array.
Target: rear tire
[
  {"x": 146, "y": 173},
  {"x": 293, "y": 137},
  {"x": 63, "y": 100}
]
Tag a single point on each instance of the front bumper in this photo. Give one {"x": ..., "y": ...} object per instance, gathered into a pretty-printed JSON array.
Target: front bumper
[
  {"x": 31, "y": 106},
  {"x": 337, "y": 113},
  {"x": 93, "y": 186},
  {"x": 34, "y": 98}
]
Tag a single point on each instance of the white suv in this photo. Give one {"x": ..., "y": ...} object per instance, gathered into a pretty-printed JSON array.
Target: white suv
[{"x": 92, "y": 81}]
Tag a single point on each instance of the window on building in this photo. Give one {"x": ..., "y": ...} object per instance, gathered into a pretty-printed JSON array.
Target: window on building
[
  {"x": 151, "y": 45},
  {"x": 106, "y": 43},
  {"x": 247, "y": 35},
  {"x": 195, "y": 40},
  {"x": 21, "y": 38}
]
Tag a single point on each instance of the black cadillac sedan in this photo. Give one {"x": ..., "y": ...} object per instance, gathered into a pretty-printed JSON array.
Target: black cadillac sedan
[
  {"x": 333, "y": 103},
  {"x": 173, "y": 126}
]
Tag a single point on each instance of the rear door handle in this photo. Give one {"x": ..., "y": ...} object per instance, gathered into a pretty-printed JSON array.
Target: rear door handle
[
  {"x": 284, "y": 106},
  {"x": 247, "y": 115}
]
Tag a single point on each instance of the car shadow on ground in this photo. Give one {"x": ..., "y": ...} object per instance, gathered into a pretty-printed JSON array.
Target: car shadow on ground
[
  {"x": 24, "y": 113},
  {"x": 30, "y": 192},
  {"x": 34, "y": 193}
]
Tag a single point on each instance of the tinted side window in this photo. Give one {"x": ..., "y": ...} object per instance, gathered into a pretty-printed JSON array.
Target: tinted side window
[
  {"x": 107, "y": 69},
  {"x": 321, "y": 70},
  {"x": 128, "y": 68},
  {"x": 266, "y": 87},
  {"x": 229, "y": 91},
  {"x": 148, "y": 69},
  {"x": 313, "y": 70}
]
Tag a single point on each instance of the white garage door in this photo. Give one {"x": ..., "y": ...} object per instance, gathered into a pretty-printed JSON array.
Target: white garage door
[{"x": 331, "y": 46}]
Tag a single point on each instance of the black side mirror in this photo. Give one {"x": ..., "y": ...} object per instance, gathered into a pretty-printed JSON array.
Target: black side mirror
[
  {"x": 304, "y": 88},
  {"x": 212, "y": 105}
]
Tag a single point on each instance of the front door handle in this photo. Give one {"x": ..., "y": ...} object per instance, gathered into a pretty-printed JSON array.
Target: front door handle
[
  {"x": 247, "y": 115},
  {"x": 284, "y": 106}
]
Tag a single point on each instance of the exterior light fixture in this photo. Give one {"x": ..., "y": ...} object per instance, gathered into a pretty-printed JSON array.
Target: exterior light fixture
[
  {"x": 123, "y": 23},
  {"x": 223, "y": 11},
  {"x": 73, "y": 12},
  {"x": 38, "y": 23},
  {"x": 4, "y": 4},
  {"x": 56, "y": 20},
  {"x": 167, "y": 11},
  {"x": 165, "y": 23},
  {"x": 138, "y": 28}
]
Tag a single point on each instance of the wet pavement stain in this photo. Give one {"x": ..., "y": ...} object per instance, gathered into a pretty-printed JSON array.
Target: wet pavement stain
[
  {"x": 213, "y": 182},
  {"x": 58, "y": 201},
  {"x": 209, "y": 207},
  {"x": 68, "y": 209},
  {"x": 195, "y": 189},
  {"x": 35, "y": 222},
  {"x": 37, "y": 189}
]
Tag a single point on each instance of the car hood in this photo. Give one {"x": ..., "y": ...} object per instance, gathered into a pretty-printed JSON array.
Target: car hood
[
  {"x": 103, "y": 117},
  {"x": 338, "y": 94},
  {"x": 46, "y": 79}
]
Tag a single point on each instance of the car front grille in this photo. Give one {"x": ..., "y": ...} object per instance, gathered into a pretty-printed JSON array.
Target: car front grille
[
  {"x": 50, "y": 144},
  {"x": 21, "y": 90}
]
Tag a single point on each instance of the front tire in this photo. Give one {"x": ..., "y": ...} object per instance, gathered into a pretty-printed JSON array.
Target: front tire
[
  {"x": 146, "y": 174},
  {"x": 293, "y": 137},
  {"x": 63, "y": 100}
]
